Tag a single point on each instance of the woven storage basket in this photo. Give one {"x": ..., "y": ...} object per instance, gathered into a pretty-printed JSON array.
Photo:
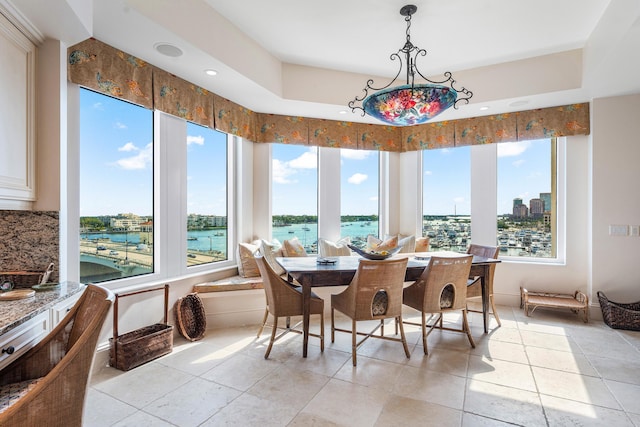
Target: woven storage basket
[
  {"x": 620, "y": 315},
  {"x": 190, "y": 317},
  {"x": 141, "y": 345},
  {"x": 22, "y": 279}
]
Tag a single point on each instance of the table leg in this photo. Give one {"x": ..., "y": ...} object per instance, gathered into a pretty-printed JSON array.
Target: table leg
[
  {"x": 485, "y": 298},
  {"x": 305, "y": 281}
]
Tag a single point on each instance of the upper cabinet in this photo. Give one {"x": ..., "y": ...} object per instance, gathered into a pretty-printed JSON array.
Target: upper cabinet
[{"x": 17, "y": 118}]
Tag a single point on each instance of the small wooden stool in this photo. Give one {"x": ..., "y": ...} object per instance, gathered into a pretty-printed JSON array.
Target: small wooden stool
[{"x": 576, "y": 302}]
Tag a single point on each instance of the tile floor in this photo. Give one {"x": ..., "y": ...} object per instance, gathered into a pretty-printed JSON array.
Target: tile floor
[{"x": 547, "y": 370}]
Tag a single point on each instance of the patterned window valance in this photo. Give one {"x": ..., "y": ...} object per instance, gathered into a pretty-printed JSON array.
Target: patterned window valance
[{"x": 105, "y": 69}]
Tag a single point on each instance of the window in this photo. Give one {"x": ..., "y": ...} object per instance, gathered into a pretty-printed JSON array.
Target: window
[
  {"x": 527, "y": 198},
  {"x": 447, "y": 198},
  {"x": 207, "y": 238},
  {"x": 116, "y": 188},
  {"x": 359, "y": 186},
  {"x": 295, "y": 194}
]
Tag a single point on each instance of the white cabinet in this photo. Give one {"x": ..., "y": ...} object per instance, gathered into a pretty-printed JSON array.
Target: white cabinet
[
  {"x": 22, "y": 338},
  {"x": 61, "y": 309},
  {"x": 17, "y": 118}
]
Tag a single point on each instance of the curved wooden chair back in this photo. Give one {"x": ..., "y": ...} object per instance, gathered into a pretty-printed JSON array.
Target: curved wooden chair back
[
  {"x": 58, "y": 367},
  {"x": 372, "y": 278}
]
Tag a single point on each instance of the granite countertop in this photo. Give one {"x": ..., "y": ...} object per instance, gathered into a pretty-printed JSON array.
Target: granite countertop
[{"x": 14, "y": 313}]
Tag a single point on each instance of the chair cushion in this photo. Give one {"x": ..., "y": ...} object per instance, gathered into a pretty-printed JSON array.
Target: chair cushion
[
  {"x": 293, "y": 248},
  {"x": 11, "y": 393},
  {"x": 422, "y": 244},
  {"x": 327, "y": 248},
  {"x": 247, "y": 266},
  {"x": 270, "y": 251}
]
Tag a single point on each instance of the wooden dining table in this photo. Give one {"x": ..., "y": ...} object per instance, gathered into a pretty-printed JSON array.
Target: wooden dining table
[{"x": 310, "y": 273}]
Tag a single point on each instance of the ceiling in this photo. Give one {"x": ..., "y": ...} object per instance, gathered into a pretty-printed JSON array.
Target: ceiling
[{"x": 310, "y": 58}]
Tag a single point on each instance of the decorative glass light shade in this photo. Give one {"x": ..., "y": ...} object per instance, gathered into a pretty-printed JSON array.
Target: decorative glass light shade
[
  {"x": 406, "y": 105},
  {"x": 411, "y": 104}
]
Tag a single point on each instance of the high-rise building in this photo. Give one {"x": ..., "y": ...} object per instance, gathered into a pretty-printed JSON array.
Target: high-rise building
[
  {"x": 536, "y": 207},
  {"x": 546, "y": 198},
  {"x": 520, "y": 211}
]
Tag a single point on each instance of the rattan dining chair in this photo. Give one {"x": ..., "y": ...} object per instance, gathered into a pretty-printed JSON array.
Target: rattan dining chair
[
  {"x": 46, "y": 386},
  {"x": 474, "y": 288},
  {"x": 441, "y": 288},
  {"x": 284, "y": 299},
  {"x": 375, "y": 293}
]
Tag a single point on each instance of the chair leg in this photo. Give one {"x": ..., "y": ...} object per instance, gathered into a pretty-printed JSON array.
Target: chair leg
[
  {"x": 404, "y": 339},
  {"x": 353, "y": 341},
  {"x": 322, "y": 331},
  {"x": 495, "y": 312},
  {"x": 424, "y": 333},
  {"x": 264, "y": 322},
  {"x": 333, "y": 327},
  {"x": 382, "y": 327},
  {"x": 465, "y": 328},
  {"x": 273, "y": 337}
]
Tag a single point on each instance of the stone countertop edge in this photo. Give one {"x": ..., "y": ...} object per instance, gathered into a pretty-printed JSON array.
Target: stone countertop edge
[{"x": 16, "y": 312}]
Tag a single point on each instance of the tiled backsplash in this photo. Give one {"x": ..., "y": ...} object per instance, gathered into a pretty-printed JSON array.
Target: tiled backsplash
[{"x": 29, "y": 241}]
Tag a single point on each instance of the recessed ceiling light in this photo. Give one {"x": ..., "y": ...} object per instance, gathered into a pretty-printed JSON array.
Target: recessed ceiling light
[
  {"x": 484, "y": 108},
  {"x": 518, "y": 103},
  {"x": 168, "y": 49},
  {"x": 210, "y": 72}
]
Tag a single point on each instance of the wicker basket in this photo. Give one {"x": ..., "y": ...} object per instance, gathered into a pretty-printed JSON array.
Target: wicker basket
[
  {"x": 26, "y": 278},
  {"x": 141, "y": 345},
  {"x": 620, "y": 315},
  {"x": 190, "y": 317}
]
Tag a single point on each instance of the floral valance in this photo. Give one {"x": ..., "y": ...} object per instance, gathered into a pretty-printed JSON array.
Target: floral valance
[{"x": 103, "y": 68}]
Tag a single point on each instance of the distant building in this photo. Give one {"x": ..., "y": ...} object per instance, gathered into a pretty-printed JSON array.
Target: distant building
[
  {"x": 520, "y": 211},
  {"x": 546, "y": 198},
  {"x": 536, "y": 208}
]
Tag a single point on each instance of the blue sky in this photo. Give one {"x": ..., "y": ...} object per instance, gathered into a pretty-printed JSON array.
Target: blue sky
[{"x": 116, "y": 154}]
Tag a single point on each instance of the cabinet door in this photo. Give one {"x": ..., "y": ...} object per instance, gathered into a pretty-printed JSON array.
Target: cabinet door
[
  {"x": 61, "y": 309},
  {"x": 17, "y": 124},
  {"x": 22, "y": 338}
]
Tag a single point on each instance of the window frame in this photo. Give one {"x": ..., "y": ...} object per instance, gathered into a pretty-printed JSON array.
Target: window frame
[{"x": 169, "y": 185}]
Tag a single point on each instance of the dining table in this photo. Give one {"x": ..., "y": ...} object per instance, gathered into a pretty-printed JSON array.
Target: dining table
[{"x": 311, "y": 271}]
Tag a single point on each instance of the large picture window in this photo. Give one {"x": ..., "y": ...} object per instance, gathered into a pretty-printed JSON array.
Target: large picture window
[
  {"x": 527, "y": 198},
  {"x": 295, "y": 194},
  {"x": 359, "y": 191},
  {"x": 116, "y": 188},
  {"x": 207, "y": 237},
  {"x": 447, "y": 198}
]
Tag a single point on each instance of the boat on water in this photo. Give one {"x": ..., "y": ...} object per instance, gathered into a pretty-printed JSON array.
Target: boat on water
[
  {"x": 291, "y": 231},
  {"x": 192, "y": 238},
  {"x": 306, "y": 228},
  {"x": 219, "y": 233}
]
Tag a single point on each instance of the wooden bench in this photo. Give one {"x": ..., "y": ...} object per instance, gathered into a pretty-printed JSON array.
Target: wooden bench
[
  {"x": 576, "y": 302},
  {"x": 233, "y": 283}
]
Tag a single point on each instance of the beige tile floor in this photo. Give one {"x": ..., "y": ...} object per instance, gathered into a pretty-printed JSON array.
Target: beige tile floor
[{"x": 547, "y": 370}]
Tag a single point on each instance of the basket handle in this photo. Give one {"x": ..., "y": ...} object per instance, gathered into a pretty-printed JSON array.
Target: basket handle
[{"x": 115, "y": 306}]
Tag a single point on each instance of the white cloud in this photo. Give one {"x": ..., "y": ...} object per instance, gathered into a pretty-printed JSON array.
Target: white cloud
[
  {"x": 98, "y": 106},
  {"x": 119, "y": 125},
  {"x": 308, "y": 160},
  {"x": 354, "y": 154},
  {"x": 429, "y": 173},
  {"x": 129, "y": 146},
  {"x": 357, "y": 178},
  {"x": 511, "y": 149},
  {"x": 283, "y": 171},
  {"x": 374, "y": 198},
  {"x": 139, "y": 161},
  {"x": 198, "y": 140}
]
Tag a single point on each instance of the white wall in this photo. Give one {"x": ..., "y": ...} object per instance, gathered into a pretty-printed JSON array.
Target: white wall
[{"x": 616, "y": 197}]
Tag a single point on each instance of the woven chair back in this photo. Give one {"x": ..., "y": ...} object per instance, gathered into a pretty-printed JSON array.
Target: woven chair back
[
  {"x": 441, "y": 273},
  {"x": 282, "y": 298},
  {"x": 371, "y": 280},
  {"x": 484, "y": 251}
]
